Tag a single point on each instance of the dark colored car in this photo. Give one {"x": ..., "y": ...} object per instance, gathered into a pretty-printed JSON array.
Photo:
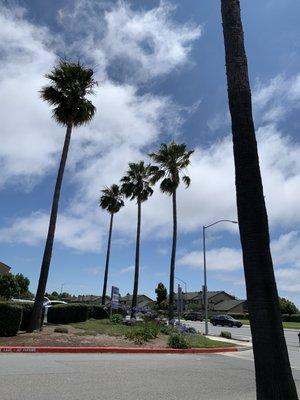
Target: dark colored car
[
  {"x": 225, "y": 320},
  {"x": 193, "y": 316}
]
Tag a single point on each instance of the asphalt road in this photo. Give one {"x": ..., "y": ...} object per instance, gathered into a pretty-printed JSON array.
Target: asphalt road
[
  {"x": 127, "y": 377},
  {"x": 291, "y": 337}
]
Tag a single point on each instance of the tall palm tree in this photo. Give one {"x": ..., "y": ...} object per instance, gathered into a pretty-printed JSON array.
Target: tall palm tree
[
  {"x": 273, "y": 373},
  {"x": 172, "y": 160},
  {"x": 112, "y": 201},
  {"x": 70, "y": 83},
  {"x": 136, "y": 185}
]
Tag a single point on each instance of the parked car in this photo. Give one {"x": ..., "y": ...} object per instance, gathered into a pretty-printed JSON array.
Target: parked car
[
  {"x": 50, "y": 303},
  {"x": 193, "y": 316},
  {"x": 225, "y": 320}
]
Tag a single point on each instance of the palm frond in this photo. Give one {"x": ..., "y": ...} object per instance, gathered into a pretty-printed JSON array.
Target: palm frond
[
  {"x": 70, "y": 83},
  {"x": 172, "y": 160}
]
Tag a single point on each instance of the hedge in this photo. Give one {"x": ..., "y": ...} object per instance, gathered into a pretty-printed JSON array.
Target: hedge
[
  {"x": 67, "y": 313},
  {"x": 10, "y": 319},
  {"x": 240, "y": 316},
  {"x": 291, "y": 317},
  {"x": 96, "y": 311},
  {"x": 27, "y": 311}
]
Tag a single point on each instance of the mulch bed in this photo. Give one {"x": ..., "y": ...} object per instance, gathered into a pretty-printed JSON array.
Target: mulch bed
[{"x": 47, "y": 337}]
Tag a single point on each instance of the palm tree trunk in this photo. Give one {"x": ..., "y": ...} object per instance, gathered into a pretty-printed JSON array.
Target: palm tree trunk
[
  {"x": 107, "y": 260},
  {"x": 35, "y": 322},
  {"x": 137, "y": 262},
  {"x": 274, "y": 379},
  {"x": 173, "y": 255}
]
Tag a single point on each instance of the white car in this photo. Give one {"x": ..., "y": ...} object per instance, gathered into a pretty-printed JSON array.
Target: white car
[{"x": 49, "y": 303}]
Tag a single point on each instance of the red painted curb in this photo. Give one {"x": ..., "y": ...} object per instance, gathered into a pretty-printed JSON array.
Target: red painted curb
[{"x": 125, "y": 350}]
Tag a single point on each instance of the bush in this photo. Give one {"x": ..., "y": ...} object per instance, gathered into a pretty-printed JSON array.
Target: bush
[
  {"x": 96, "y": 311},
  {"x": 240, "y": 316},
  {"x": 27, "y": 310},
  {"x": 61, "y": 329},
  {"x": 66, "y": 314},
  {"x": 142, "y": 333},
  {"x": 117, "y": 319},
  {"x": 225, "y": 334},
  {"x": 291, "y": 317},
  {"x": 10, "y": 319},
  {"x": 178, "y": 341}
]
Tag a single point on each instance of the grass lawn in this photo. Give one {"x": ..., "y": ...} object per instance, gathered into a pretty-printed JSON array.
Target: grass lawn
[
  {"x": 106, "y": 327},
  {"x": 101, "y": 326},
  {"x": 288, "y": 325},
  {"x": 202, "y": 341}
]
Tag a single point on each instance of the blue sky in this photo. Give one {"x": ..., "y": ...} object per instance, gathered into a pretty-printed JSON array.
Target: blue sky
[{"x": 160, "y": 67}]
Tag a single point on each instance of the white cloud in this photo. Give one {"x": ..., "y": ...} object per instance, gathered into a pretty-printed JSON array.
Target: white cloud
[
  {"x": 273, "y": 101},
  {"x": 29, "y": 139},
  {"x": 220, "y": 259},
  {"x": 127, "y": 269},
  {"x": 139, "y": 44}
]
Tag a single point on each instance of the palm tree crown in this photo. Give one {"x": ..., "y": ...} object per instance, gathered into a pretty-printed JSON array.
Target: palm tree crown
[
  {"x": 136, "y": 183},
  {"x": 70, "y": 83},
  {"x": 172, "y": 160},
  {"x": 111, "y": 199}
]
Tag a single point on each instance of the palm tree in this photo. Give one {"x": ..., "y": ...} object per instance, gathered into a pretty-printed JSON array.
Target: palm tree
[
  {"x": 112, "y": 201},
  {"x": 172, "y": 160},
  {"x": 136, "y": 185},
  {"x": 70, "y": 83},
  {"x": 273, "y": 372}
]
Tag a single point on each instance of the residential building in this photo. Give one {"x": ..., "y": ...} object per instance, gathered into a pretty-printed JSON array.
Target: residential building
[
  {"x": 142, "y": 300},
  {"x": 4, "y": 269},
  {"x": 231, "y": 307},
  {"x": 197, "y": 299}
]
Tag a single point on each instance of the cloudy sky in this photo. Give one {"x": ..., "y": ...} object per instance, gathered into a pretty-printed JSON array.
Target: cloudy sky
[{"x": 160, "y": 68}]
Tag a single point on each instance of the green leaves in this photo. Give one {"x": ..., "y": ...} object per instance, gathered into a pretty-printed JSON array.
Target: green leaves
[
  {"x": 70, "y": 83},
  {"x": 111, "y": 199},
  {"x": 172, "y": 160},
  {"x": 136, "y": 184}
]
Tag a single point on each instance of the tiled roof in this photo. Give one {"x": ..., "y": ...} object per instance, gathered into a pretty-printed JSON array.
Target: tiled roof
[{"x": 227, "y": 305}]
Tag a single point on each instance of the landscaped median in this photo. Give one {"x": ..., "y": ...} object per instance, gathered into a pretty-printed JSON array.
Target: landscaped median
[{"x": 70, "y": 330}]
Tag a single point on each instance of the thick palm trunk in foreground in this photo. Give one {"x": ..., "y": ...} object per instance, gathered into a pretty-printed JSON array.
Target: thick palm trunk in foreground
[
  {"x": 107, "y": 260},
  {"x": 137, "y": 262},
  {"x": 35, "y": 322},
  {"x": 274, "y": 379},
  {"x": 173, "y": 255}
]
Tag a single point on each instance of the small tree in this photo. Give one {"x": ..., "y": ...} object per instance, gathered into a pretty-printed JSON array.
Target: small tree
[
  {"x": 161, "y": 293},
  {"x": 23, "y": 284},
  {"x": 8, "y": 286},
  {"x": 287, "y": 306}
]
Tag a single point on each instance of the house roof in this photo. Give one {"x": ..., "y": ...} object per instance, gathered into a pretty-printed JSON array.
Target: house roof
[
  {"x": 228, "y": 305},
  {"x": 196, "y": 295},
  {"x": 4, "y": 268},
  {"x": 128, "y": 297}
]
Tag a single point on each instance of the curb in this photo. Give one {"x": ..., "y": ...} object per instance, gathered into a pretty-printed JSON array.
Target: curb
[{"x": 124, "y": 350}]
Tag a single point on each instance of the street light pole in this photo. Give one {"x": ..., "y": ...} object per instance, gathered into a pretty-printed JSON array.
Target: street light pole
[
  {"x": 204, "y": 268},
  {"x": 185, "y": 286},
  {"x": 205, "y": 283}
]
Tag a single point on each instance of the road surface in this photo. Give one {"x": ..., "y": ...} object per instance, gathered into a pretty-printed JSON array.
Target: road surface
[
  {"x": 291, "y": 337},
  {"x": 127, "y": 377}
]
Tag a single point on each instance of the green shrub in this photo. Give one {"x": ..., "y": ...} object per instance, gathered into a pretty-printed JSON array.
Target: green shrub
[
  {"x": 167, "y": 329},
  {"x": 61, "y": 329},
  {"x": 117, "y": 318},
  {"x": 291, "y": 317},
  {"x": 225, "y": 334},
  {"x": 240, "y": 316},
  {"x": 178, "y": 341},
  {"x": 67, "y": 313},
  {"x": 10, "y": 319},
  {"x": 96, "y": 311},
  {"x": 142, "y": 333}
]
